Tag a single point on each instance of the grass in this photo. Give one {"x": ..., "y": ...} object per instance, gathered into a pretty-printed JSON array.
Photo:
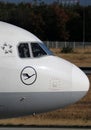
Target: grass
[
  {"x": 80, "y": 56},
  {"x": 78, "y": 114}
]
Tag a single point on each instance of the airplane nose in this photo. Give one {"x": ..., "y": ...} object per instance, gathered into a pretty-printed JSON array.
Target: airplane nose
[{"x": 80, "y": 82}]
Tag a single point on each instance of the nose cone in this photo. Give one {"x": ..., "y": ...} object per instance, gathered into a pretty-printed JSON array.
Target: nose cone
[{"x": 80, "y": 82}]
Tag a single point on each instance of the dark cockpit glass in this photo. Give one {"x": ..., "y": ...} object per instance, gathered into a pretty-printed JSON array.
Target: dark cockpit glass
[
  {"x": 27, "y": 50},
  {"x": 37, "y": 51},
  {"x": 23, "y": 50}
]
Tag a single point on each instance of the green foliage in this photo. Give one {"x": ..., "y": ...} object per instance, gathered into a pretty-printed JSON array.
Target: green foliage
[
  {"x": 67, "y": 49},
  {"x": 49, "y": 22}
]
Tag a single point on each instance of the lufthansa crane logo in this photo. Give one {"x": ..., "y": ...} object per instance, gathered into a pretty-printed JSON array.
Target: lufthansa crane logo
[{"x": 28, "y": 75}]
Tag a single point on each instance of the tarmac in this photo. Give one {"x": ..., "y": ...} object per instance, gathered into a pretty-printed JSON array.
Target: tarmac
[{"x": 9, "y": 128}]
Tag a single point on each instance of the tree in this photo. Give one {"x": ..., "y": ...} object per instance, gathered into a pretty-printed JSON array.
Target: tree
[
  {"x": 88, "y": 24},
  {"x": 52, "y": 22},
  {"x": 75, "y": 23}
]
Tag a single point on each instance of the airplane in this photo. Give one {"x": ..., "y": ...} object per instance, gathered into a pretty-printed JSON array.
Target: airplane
[{"x": 32, "y": 79}]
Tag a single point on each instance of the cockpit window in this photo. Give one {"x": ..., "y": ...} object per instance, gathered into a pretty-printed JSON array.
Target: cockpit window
[
  {"x": 23, "y": 49},
  {"x": 33, "y": 50},
  {"x": 44, "y": 47},
  {"x": 37, "y": 50}
]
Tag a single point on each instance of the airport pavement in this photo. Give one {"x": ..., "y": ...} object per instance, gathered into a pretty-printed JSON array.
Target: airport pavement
[{"x": 2, "y": 128}]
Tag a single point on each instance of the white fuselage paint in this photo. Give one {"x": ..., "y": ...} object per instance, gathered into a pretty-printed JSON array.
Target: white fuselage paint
[{"x": 35, "y": 85}]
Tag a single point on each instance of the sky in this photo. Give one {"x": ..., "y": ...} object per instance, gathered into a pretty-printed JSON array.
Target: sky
[{"x": 82, "y": 2}]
